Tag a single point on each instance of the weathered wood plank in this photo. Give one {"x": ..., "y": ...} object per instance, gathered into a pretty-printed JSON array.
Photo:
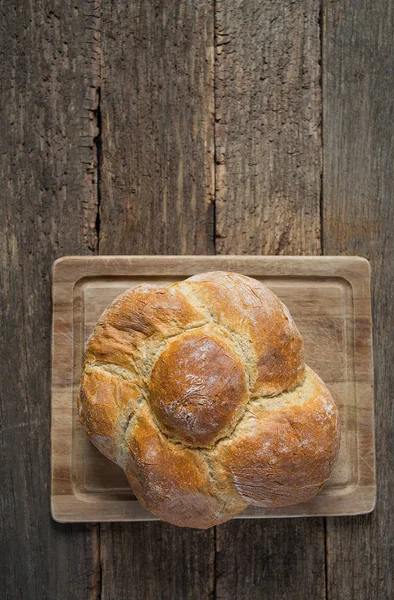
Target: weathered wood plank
[
  {"x": 358, "y": 217},
  {"x": 268, "y": 113},
  {"x": 156, "y": 560},
  {"x": 268, "y": 153},
  {"x": 47, "y": 209},
  {"x": 157, "y": 189},
  {"x": 157, "y": 136}
]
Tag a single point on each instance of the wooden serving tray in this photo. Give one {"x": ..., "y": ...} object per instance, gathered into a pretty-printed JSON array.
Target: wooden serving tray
[{"x": 329, "y": 298}]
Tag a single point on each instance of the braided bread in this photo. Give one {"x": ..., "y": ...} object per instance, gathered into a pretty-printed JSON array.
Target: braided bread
[{"x": 199, "y": 391}]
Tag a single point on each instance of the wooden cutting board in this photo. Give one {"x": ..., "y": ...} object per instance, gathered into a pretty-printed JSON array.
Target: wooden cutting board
[{"x": 329, "y": 299}]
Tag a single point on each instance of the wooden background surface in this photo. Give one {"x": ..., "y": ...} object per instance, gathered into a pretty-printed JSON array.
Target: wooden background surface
[{"x": 185, "y": 126}]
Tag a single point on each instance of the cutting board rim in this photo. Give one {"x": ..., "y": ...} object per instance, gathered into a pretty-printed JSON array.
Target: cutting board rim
[{"x": 68, "y": 271}]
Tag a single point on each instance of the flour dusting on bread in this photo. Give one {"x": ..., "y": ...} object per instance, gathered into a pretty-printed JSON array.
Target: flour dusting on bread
[{"x": 200, "y": 392}]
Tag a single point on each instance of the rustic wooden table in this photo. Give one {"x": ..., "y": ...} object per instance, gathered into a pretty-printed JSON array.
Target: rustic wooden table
[{"x": 183, "y": 127}]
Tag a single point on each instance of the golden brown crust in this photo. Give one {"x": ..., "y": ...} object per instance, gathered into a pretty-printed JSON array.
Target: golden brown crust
[
  {"x": 283, "y": 450},
  {"x": 198, "y": 387},
  {"x": 106, "y": 401},
  {"x": 189, "y": 389},
  {"x": 251, "y": 311},
  {"x": 147, "y": 310},
  {"x": 136, "y": 323},
  {"x": 170, "y": 480}
]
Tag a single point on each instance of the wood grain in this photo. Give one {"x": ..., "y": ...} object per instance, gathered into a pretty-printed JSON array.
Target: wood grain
[
  {"x": 358, "y": 216},
  {"x": 156, "y": 560},
  {"x": 268, "y": 150},
  {"x": 329, "y": 299},
  {"x": 157, "y": 192},
  {"x": 75, "y": 109},
  {"x": 268, "y": 139},
  {"x": 157, "y": 175},
  {"x": 47, "y": 208}
]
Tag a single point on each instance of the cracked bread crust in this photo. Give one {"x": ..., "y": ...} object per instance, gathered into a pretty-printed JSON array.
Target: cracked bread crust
[
  {"x": 284, "y": 448},
  {"x": 198, "y": 387},
  {"x": 200, "y": 393}
]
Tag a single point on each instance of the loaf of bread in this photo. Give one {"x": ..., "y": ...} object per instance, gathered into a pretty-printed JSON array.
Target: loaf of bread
[{"x": 199, "y": 391}]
